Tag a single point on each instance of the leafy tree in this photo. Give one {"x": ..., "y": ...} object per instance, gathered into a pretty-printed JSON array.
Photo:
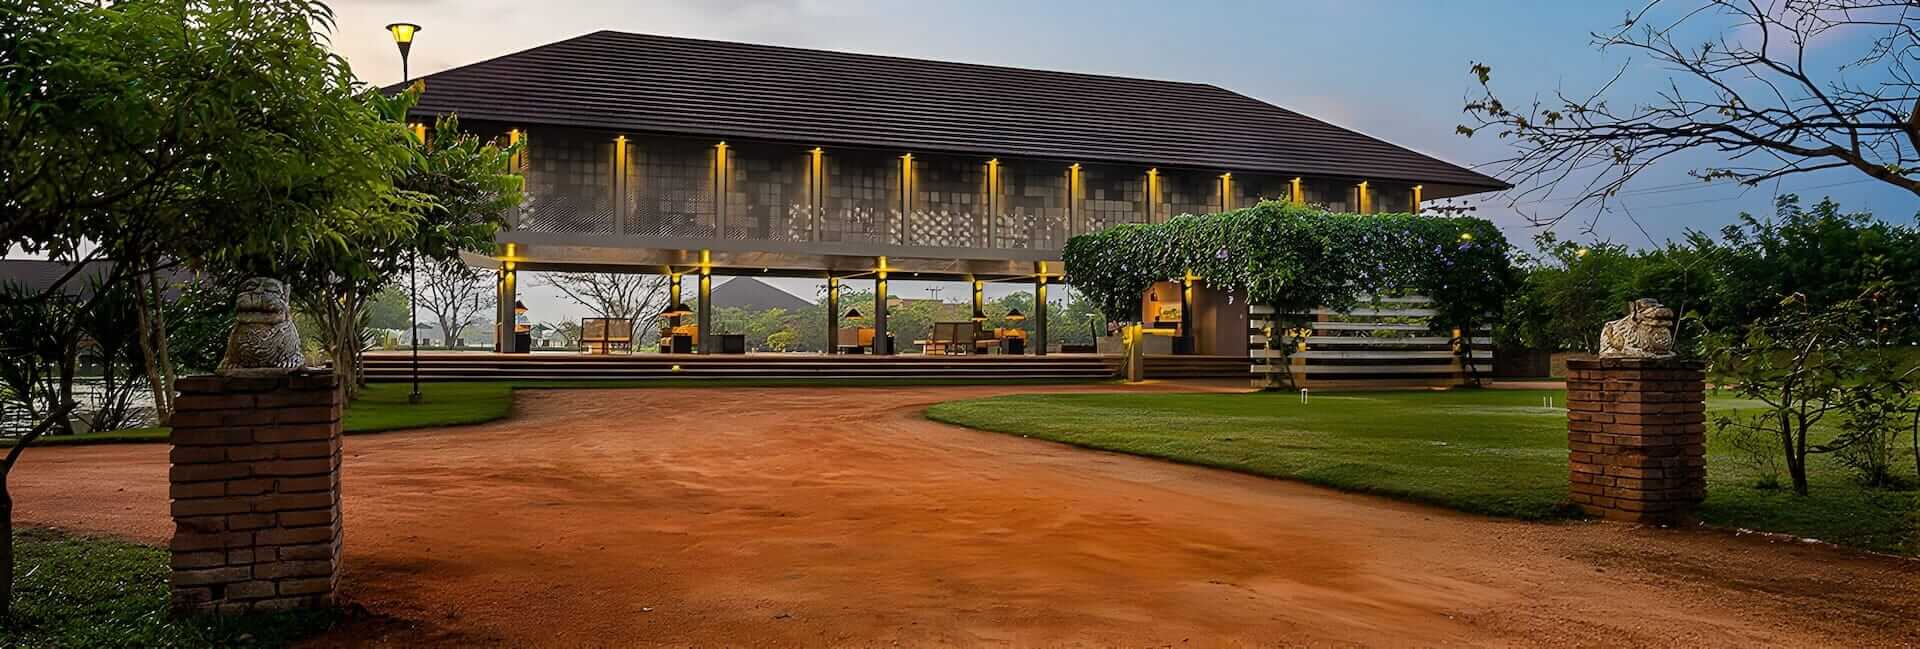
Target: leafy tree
[
  {"x": 389, "y": 309},
  {"x": 1751, "y": 94},
  {"x": 217, "y": 134},
  {"x": 456, "y": 295},
  {"x": 639, "y": 298},
  {"x": 451, "y": 195},
  {"x": 198, "y": 132},
  {"x": 1569, "y": 292},
  {"x": 110, "y": 326},
  {"x": 1805, "y": 362}
]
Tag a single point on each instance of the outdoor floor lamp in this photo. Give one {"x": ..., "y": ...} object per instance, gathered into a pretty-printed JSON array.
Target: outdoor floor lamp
[{"x": 403, "y": 38}]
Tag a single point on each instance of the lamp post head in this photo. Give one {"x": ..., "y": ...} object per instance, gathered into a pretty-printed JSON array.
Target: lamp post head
[{"x": 403, "y": 36}]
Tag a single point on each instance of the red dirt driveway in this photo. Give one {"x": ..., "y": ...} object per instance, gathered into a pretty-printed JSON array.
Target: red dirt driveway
[{"x": 840, "y": 517}]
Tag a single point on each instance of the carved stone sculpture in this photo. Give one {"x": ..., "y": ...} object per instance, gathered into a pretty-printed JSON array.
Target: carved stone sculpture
[
  {"x": 264, "y": 340},
  {"x": 1646, "y": 332}
]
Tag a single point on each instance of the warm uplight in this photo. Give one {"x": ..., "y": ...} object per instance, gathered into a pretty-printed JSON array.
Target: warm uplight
[
  {"x": 1466, "y": 236},
  {"x": 403, "y": 32},
  {"x": 1581, "y": 252}
]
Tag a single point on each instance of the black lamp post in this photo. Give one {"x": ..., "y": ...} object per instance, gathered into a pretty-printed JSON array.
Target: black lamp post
[{"x": 403, "y": 38}]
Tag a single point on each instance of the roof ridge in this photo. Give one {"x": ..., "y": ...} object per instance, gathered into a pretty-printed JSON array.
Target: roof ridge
[{"x": 896, "y": 57}]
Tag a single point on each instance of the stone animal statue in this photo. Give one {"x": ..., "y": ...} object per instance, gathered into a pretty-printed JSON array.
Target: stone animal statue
[
  {"x": 1646, "y": 332},
  {"x": 264, "y": 340}
]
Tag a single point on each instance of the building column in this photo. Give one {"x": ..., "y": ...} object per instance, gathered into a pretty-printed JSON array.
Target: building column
[
  {"x": 504, "y": 340},
  {"x": 1040, "y": 315},
  {"x": 706, "y": 307},
  {"x": 1186, "y": 314},
  {"x": 880, "y": 346},
  {"x": 979, "y": 297},
  {"x": 833, "y": 315},
  {"x": 673, "y": 298}
]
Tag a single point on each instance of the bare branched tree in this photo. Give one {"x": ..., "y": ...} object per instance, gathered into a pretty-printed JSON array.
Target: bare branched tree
[
  {"x": 639, "y": 298},
  {"x": 455, "y": 294},
  {"x": 1749, "y": 94}
]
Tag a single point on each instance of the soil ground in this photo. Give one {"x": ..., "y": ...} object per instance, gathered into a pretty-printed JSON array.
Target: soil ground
[{"x": 841, "y": 517}]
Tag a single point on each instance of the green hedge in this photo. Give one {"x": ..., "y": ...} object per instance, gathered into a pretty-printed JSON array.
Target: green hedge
[{"x": 1298, "y": 258}]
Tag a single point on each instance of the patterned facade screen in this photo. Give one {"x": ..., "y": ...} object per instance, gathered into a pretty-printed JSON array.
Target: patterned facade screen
[
  {"x": 683, "y": 188},
  {"x": 1333, "y": 195},
  {"x": 1111, "y": 196},
  {"x": 949, "y": 203},
  {"x": 570, "y": 186},
  {"x": 1250, "y": 189},
  {"x": 1030, "y": 208},
  {"x": 671, "y": 188},
  {"x": 1184, "y": 192},
  {"x": 767, "y": 195},
  {"x": 862, "y": 198},
  {"x": 1392, "y": 198}
]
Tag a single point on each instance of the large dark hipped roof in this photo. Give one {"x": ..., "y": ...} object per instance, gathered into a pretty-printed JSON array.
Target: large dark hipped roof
[{"x": 658, "y": 84}]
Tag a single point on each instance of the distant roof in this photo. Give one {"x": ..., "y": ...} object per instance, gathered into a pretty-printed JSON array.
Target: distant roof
[
  {"x": 668, "y": 85},
  {"x": 755, "y": 295}
]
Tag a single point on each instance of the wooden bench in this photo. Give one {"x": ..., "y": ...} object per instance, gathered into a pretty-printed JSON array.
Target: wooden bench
[{"x": 606, "y": 335}]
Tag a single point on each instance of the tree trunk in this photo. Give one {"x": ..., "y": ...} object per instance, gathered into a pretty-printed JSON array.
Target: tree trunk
[
  {"x": 160, "y": 386},
  {"x": 164, "y": 345},
  {"x": 6, "y": 552},
  {"x": 6, "y": 505}
]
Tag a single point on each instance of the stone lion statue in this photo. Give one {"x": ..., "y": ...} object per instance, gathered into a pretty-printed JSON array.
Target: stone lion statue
[
  {"x": 1646, "y": 332},
  {"x": 264, "y": 340}
]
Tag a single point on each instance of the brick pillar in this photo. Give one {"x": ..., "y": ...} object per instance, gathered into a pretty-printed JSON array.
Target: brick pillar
[
  {"x": 1636, "y": 435},
  {"x": 256, "y": 493}
]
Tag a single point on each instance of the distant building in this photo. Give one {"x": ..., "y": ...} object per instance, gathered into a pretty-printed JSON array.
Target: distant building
[
  {"x": 646, "y": 153},
  {"x": 755, "y": 295}
]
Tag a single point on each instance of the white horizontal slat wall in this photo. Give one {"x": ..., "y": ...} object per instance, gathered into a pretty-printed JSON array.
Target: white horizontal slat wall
[{"x": 1389, "y": 342}]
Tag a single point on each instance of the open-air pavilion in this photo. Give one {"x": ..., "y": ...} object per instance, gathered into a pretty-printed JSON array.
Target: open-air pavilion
[{"x": 695, "y": 158}]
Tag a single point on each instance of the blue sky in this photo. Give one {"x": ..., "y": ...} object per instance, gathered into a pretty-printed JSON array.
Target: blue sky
[{"x": 1394, "y": 70}]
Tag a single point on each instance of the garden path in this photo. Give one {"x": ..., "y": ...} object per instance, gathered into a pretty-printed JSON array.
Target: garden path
[{"x": 841, "y": 517}]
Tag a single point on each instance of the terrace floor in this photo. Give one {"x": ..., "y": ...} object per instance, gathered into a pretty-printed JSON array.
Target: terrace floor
[{"x": 841, "y": 517}]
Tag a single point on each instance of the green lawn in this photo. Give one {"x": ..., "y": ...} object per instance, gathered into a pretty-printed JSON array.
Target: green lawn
[
  {"x": 383, "y": 407},
  {"x": 76, "y": 591},
  {"x": 1497, "y": 452}
]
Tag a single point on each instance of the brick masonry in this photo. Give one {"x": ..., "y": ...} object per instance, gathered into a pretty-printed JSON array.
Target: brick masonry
[
  {"x": 1636, "y": 436},
  {"x": 256, "y": 493}
]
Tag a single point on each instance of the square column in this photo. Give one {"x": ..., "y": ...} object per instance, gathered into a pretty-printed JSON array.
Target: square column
[
  {"x": 706, "y": 309},
  {"x": 1636, "y": 438},
  {"x": 673, "y": 298},
  {"x": 504, "y": 339},
  {"x": 833, "y": 315},
  {"x": 255, "y": 484},
  {"x": 1040, "y": 315},
  {"x": 880, "y": 346}
]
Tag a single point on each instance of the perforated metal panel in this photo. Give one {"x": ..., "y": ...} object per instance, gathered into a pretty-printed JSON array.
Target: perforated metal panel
[
  {"x": 1183, "y": 192},
  {"x": 863, "y": 198},
  {"x": 1032, "y": 206},
  {"x": 1389, "y": 197},
  {"x": 569, "y": 184},
  {"x": 949, "y": 203},
  {"x": 1250, "y": 189},
  {"x": 672, "y": 193},
  {"x": 767, "y": 195},
  {"x": 1111, "y": 196},
  {"x": 1333, "y": 195}
]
